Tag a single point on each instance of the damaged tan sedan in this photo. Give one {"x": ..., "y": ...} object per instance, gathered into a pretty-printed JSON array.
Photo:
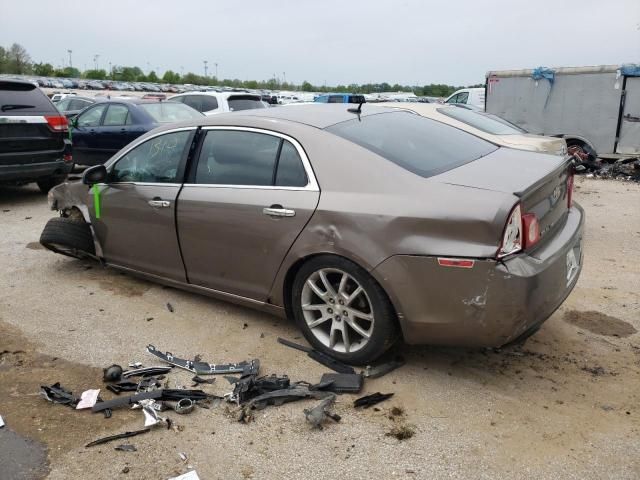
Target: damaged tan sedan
[{"x": 362, "y": 224}]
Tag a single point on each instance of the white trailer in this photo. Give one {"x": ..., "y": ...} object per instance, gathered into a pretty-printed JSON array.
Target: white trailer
[{"x": 596, "y": 109}]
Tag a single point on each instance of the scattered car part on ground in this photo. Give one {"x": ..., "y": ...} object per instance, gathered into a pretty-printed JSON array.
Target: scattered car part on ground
[
  {"x": 199, "y": 380},
  {"x": 126, "y": 447},
  {"x": 373, "y": 399},
  {"x": 34, "y": 137},
  {"x": 118, "y": 436},
  {"x": 88, "y": 399},
  {"x": 190, "y": 475},
  {"x": 381, "y": 369},
  {"x": 204, "y": 368},
  {"x": 319, "y": 357},
  {"x": 112, "y": 373},
  {"x": 319, "y": 414},
  {"x": 184, "y": 406},
  {"x": 342, "y": 382},
  {"x": 146, "y": 371},
  {"x": 293, "y": 393},
  {"x": 58, "y": 394},
  {"x": 249, "y": 386}
]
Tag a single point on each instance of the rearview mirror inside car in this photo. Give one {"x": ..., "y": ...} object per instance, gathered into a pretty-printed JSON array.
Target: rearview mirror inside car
[{"x": 95, "y": 174}]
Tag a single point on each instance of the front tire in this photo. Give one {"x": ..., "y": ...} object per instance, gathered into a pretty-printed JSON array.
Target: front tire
[
  {"x": 342, "y": 311},
  {"x": 69, "y": 237}
]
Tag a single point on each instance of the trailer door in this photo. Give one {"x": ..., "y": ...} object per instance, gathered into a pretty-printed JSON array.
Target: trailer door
[{"x": 629, "y": 139}]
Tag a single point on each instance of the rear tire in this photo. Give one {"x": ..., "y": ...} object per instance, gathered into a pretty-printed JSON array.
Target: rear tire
[
  {"x": 69, "y": 237},
  {"x": 319, "y": 310},
  {"x": 47, "y": 184}
]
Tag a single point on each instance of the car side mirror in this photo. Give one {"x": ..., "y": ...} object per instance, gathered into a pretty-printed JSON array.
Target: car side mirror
[{"x": 95, "y": 174}]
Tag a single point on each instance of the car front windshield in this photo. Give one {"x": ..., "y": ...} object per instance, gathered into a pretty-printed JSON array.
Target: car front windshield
[
  {"x": 486, "y": 122},
  {"x": 169, "y": 112}
]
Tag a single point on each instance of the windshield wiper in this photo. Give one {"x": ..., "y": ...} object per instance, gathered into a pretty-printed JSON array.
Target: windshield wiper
[{"x": 15, "y": 107}]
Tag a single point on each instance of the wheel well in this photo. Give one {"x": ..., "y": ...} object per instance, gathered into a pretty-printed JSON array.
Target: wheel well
[
  {"x": 74, "y": 214},
  {"x": 295, "y": 268}
]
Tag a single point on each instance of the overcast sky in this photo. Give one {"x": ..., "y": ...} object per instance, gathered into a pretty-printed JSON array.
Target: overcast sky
[{"x": 408, "y": 42}]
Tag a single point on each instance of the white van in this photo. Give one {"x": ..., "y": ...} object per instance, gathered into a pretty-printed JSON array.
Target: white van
[{"x": 468, "y": 96}]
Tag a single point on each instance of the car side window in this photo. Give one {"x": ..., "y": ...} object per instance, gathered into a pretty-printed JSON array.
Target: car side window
[
  {"x": 462, "y": 97},
  {"x": 209, "y": 103},
  {"x": 336, "y": 99},
  {"x": 177, "y": 99},
  {"x": 290, "y": 171},
  {"x": 453, "y": 99},
  {"x": 155, "y": 161},
  {"x": 194, "y": 101},
  {"x": 231, "y": 157},
  {"x": 116, "y": 115},
  {"x": 91, "y": 118}
]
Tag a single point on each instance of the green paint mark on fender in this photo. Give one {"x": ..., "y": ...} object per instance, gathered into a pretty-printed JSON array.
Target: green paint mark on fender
[{"x": 96, "y": 200}]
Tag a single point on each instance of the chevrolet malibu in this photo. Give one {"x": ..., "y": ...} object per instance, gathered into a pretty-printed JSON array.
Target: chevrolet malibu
[{"x": 362, "y": 224}]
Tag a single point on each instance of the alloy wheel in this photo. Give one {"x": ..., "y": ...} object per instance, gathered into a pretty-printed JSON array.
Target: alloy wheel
[{"x": 337, "y": 310}]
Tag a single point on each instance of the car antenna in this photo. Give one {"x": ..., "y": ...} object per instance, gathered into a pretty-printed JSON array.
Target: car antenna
[{"x": 356, "y": 110}]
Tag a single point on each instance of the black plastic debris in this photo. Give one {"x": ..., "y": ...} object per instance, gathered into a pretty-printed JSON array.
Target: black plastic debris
[
  {"x": 58, "y": 394},
  {"x": 249, "y": 386},
  {"x": 372, "y": 399},
  {"x": 124, "y": 401},
  {"x": 110, "y": 438},
  {"x": 170, "y": 307},
  {"x": 203, "y": 368},
  {"x": 112, "y": 373},
  {"x": 199, "y": 380},
  {"x": 341, "y": 382},
  {"x": 126, "y": 447},
  {"x": 122, "y": 386},
  {"x": 322, "y": 358},
  {"x": 377, "y": 371},
  {"x": 319, "y": 414},
  {"x": 146, "y": 371}
]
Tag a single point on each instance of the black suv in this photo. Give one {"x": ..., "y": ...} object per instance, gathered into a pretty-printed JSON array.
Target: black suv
[{"x": 34, "y": 137}]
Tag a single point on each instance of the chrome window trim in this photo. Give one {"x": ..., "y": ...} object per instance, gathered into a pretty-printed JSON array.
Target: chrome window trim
[{"x": 312, "y": 183}]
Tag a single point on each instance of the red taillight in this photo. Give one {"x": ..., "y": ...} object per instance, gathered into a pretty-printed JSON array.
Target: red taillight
[
  {"x": 67, "y": 157},
  {"x": 57, "y": 123},
  {"x": 570, "y": 189},
  {"x": 455, "y": 262},
  {"x": 531, "y": 229}
]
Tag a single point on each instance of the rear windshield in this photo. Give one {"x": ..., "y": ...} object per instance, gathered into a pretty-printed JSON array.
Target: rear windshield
[
  {"x": 245, "y": 102},
  {"x": 169, "y": 112},
  {"x": 482, "y": 121},
  {"x": 418, "y": 144},
  {"x": 23, "y": 99}
]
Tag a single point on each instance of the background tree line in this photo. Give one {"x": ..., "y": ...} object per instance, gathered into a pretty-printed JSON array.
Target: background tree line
[{"x": 16, "y": 60}]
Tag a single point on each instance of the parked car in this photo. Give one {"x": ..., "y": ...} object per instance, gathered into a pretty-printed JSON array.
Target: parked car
[
  {"x": 416, "y": 233},
  {"x": 340, "y": 98},
  {"x": 95, "y": 85},
  {"x": 107, "y": 126},
  {"x": 34, "y": 144},
  {"x": 468, "y": 96},
  {"x": 72, "y": 105},
  {"x": 485, "y": 125},
  {"x": 211, "y": 103}
]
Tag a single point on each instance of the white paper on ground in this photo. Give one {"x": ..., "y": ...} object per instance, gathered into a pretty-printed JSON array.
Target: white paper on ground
[
  {"x": 1, "y": 422},
  {"x": 192, "y": 475},
  {"x": 88, "y": 399}
]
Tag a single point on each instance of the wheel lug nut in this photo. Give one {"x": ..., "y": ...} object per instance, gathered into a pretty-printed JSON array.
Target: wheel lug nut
[
  {"x": 345, "y": 313},
  {"x": 330, "y": 310},
  {"x": 341, "y": 302},
  {"x": 331, "y": 300}
]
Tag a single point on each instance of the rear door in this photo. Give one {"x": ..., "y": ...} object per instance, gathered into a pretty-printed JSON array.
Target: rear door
[
  {"x": 137, "y": 226},
  {"x": 629, "y": 138},
  {"x": 247, "y": 198}
]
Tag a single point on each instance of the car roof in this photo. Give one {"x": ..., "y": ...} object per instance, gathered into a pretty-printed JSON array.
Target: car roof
[{"x": 217, "y": 94}]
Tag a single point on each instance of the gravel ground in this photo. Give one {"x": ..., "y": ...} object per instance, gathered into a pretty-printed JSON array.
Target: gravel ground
[{"x": 564, "y": 405}]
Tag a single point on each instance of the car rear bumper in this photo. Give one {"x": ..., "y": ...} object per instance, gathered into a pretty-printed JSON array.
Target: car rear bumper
[
  {"x": 490, "y": 304},
  {"x": 34, "y": 171}
]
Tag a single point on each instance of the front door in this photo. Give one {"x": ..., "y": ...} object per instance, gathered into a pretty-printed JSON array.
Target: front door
[
  {"x": 629, "y": 139},
  {"x": 245, "y": 202},
  {"x": 136, "y": 228},
  {"x": 84, "y": 136}
]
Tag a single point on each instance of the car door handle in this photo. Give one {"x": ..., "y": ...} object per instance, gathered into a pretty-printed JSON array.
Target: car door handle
[
  {"x": 156, "y": 203},
  {"x": 278, "y": 211}
]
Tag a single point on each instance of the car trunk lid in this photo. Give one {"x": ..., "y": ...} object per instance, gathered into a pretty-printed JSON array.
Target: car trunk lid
[{"x": 538, "y": 180}]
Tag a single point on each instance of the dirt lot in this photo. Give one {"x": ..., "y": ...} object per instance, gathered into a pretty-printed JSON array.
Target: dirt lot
[{"x": 564, "y": 405}]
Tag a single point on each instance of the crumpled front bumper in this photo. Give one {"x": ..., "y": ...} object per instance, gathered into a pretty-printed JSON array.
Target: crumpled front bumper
[{"x": 488, "y": 305}]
